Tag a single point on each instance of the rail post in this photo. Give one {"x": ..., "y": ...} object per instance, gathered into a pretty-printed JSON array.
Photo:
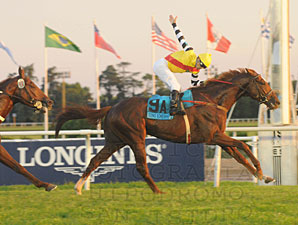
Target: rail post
[
  {"x": 217, "y": 166},
  {"x": 254, "y": 146},
  {"x": 87, "y": 158}
]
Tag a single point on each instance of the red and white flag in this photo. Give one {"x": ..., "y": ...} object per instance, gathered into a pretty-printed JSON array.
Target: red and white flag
[
  {"x": 101, "y": 43},
  {"x": 160, "y": 39},
  {"x": 216, "y": 40}
]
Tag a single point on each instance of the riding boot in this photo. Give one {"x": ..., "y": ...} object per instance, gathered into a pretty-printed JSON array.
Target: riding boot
[{"x": 175, "y": 107}]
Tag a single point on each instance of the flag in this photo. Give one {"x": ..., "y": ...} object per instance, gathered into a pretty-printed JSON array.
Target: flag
[
  {"x": 265, "y": 29},
  {"x": 101, "y": 43},
  {"x": 292, "y": 40},
  {"x": 265, "y": 32},
  {"x": 160, "y": 39},
  {"x": 56, "y": 40},
  {"x": 215, "y": 40},
  {"x": 3, "y": 46}
]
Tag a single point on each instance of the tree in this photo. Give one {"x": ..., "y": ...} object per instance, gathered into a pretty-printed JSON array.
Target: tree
[
  {"x": 161, "y": 88},
  {"x": 118, "y": 84},
  {"x": 111, "y": 82},
  {"x": 75, "y": 95},
  {"x": 130, "y": 83}
]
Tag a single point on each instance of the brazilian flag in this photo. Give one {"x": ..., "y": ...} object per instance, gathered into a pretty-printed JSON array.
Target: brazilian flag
[{"x": 56, "y": 40}]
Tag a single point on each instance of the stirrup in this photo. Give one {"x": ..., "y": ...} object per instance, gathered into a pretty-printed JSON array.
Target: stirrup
[
  {"x": 177, "y": 109},
  {"x": 173, "y": 112}
]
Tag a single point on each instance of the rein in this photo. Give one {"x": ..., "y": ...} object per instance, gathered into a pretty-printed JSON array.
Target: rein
[
  {"x": 221, "y": 81},
  {"x": 261, "y": 98},
  {"x": 207, "y": 103}
]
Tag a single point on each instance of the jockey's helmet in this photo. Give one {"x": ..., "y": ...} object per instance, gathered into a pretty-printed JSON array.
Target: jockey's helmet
[{"x": 205, "y": 59}]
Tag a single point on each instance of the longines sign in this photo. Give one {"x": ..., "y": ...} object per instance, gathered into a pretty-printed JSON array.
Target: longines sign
[{"x": 63, "y": 160}]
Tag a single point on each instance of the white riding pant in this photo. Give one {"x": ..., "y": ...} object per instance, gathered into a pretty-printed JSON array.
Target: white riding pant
[{"x": 162, "y": 70}]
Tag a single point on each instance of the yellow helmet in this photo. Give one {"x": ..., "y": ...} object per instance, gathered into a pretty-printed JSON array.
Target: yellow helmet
[{"x": 205, "y": 58}]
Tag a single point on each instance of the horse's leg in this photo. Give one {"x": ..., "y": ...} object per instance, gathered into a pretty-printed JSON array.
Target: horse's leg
[
  {"x": 232, "y": 151},
  {"x": 7, "y": 160},
  {"x": 142, "y": 167},
  {"x": 223, "y": 140},
  {"x": 95, "y": 162}
]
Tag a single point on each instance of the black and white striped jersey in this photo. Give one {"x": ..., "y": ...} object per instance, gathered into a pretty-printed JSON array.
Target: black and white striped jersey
[{"x": 181, "y": 38}]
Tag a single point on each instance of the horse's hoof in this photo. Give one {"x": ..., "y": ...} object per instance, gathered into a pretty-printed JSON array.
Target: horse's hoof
[
  {"x": 159, "y": 192},
  {"x": 268, "y": 179},
  {"x": 51, "y": 187},
  {"x": 77, "y": 190}
]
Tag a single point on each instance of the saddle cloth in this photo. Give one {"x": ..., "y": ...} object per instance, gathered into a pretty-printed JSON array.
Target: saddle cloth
[{"x": 158, "y": 107}]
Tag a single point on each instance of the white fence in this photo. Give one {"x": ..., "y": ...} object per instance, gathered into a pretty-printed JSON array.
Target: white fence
[
  {"x": 254, "y": 144},
  {"x": 88, "y": 133}
]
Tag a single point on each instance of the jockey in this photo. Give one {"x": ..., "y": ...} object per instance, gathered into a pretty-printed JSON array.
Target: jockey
[{"x": 180, "y": 62}]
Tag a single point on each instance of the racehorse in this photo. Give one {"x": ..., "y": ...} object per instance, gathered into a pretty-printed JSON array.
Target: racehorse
[
  {"x": 20, "y": 89},
  {"x": 126, "y": 123}
]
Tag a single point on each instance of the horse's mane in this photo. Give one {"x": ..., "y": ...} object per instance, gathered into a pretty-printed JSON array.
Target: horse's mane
[
  {"x": 228, "y": 75},
  {"x": 6, "y": 80},
  {"x": 224, "y": 76}
]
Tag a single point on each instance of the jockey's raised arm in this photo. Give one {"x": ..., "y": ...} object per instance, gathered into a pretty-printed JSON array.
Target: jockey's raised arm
[{"x": 179, "y": 62}]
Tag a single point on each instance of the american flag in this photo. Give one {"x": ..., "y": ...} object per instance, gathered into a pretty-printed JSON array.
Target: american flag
[{"x": 160, "y": 39}]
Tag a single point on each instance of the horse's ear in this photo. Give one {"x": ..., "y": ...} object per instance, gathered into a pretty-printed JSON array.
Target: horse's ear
[{"x": 21, "y": 72}]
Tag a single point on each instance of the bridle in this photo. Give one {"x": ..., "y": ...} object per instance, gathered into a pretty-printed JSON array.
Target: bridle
[
  {"x": 38, "y": 104},
  {"x": 261, "y": 97}
]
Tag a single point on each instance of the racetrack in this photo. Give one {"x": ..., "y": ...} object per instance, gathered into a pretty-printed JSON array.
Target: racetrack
[
  {"x": 230, "y": 170},
  {"x": 134, "y": 203}
]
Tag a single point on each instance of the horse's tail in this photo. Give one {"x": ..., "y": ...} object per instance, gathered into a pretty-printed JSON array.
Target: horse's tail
[{"x": 80, "y": 112}]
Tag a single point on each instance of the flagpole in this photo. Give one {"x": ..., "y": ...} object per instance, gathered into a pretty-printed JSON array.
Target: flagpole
[
  {"x": 262, "y": 117},
  {"x": 97, "y": 81},
  {"x": 46, "y": 114},
  {"x": 262, "y": 47},
  {"x": 153, "y": 61},
  {"x": 207, "y": 49}
]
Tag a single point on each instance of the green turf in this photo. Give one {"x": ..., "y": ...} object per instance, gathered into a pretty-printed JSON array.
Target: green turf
[{"x": 134, "y": 203}]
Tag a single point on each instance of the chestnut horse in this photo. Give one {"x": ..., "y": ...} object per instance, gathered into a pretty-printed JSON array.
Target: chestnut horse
[
  {"x": 21, "y": 89},
  {"x": 126, "y": 123}
]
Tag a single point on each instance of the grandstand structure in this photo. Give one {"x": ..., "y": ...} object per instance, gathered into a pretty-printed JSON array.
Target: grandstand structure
[{"x": 278, "y": 151}]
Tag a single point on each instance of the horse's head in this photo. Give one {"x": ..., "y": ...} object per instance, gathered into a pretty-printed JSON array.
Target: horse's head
[
  {"x": 29, "y": 94},
  {"x": 260, "y": 90}
]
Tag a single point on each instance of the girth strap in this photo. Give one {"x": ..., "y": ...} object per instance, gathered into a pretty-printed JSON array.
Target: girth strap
[
  {"x": 187, "y": 129},
  {"x": 187, "y": 126}
]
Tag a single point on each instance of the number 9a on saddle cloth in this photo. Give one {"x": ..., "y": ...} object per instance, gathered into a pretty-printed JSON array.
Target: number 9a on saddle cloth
[{"x": 158, "y": 107}]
